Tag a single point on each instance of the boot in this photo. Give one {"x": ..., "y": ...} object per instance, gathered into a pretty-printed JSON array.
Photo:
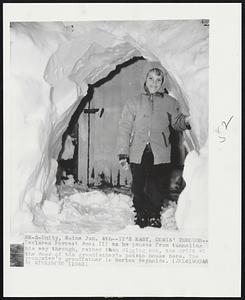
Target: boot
[
  {"x": 141, "y": 219},
  {"x": 155, "y": 220}
]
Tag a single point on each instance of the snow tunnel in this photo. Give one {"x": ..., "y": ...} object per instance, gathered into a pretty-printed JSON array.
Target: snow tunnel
[
  {"x": 66, "y": 79},
  {"x": 89, "y": 142}
]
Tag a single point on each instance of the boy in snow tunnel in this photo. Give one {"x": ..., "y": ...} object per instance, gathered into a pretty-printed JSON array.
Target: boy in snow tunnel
[{"x": 143, "y": 142}]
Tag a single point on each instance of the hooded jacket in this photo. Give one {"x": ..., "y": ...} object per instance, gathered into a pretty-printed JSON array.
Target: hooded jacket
[{"x": 146, "y": 119}]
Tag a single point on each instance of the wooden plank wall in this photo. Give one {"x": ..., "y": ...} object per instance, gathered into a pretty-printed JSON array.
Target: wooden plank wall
[{"x": 111, "y": 97}]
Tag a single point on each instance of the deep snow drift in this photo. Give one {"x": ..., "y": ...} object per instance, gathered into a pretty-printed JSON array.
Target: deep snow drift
[
  {"x": 94, "y": 212},
  {"x": 51, "y": 67}
]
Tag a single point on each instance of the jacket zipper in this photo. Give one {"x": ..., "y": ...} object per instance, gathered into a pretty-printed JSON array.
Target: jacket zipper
[{"x": 152, "y": 108}]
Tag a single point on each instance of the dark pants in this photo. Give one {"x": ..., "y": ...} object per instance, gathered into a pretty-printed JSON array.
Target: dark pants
[{"x": 150, "y": 185}]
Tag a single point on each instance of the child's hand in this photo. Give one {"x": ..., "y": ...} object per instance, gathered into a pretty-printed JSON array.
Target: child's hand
[
  {"x": 187, "y": 120},
  {"x": 124, "y": 164},
  {"x": 124, "y": 161}
]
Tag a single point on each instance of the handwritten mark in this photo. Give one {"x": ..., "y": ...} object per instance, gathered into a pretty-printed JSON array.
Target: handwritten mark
[
  {"x": 225, "y": 126},
  {"x": 223, "y": 139}
]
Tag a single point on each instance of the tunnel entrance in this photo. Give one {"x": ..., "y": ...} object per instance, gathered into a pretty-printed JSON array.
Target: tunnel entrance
[{"x": 92, "y": 133}]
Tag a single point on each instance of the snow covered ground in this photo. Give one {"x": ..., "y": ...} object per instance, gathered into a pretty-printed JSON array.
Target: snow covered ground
[
  {"x": 94, "y": 211},
  {"x": 90, "y": 212}
]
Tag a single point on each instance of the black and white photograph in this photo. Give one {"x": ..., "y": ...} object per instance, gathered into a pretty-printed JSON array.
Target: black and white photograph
[
  {"x": 108, "y": 143},
  {"x": 110, "y": 120}
]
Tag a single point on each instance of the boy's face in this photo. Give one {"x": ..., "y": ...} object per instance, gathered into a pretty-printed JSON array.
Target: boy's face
[{"x": 153, "y": 82}]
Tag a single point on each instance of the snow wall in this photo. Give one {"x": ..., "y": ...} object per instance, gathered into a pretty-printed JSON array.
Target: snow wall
[{"x": 51, "y": 67}]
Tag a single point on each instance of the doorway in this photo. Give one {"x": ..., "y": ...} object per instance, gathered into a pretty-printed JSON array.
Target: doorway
[{"x": 98, "y": 126}]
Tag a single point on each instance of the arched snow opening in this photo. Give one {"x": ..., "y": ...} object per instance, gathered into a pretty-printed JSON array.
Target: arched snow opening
[
  {"x": 99, "y": 112},
  {"x": 84, "y": 58}
]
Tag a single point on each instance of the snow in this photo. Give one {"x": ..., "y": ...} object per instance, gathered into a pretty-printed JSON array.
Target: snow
[
  {"x": 95, "y": 212},
  {"x": 192, "y": 211},
  {"x": 68, "y": 148},
  {"x": 50, "y": 70}
]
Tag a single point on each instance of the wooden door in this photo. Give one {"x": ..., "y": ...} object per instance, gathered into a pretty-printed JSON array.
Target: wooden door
[{"x": 108, "y": 101}]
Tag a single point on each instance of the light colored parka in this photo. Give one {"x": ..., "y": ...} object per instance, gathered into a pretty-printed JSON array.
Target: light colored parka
[{"x": 146, "y": 119}]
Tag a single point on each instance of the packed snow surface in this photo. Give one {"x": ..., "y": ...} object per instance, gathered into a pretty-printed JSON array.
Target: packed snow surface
[{"x": 93, "y": 212}]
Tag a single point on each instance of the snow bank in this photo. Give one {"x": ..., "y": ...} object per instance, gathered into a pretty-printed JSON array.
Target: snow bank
[
  {"x": 91, "y": 212},
  {"x": 95, "y": 212},
  {"x": 68, "y": 61},
  {"x": 32, "y": 115},
  {"x": 192, "y": 211}
]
